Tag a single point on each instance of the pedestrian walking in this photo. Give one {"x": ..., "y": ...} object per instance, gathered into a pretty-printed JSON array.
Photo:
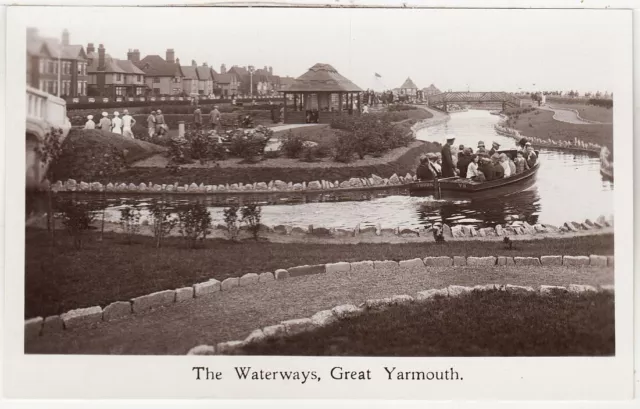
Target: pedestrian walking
[
  {"x": 116, "y": 123},
  {"x": 197, "y": 118},
  {"x": 214, "y": 118},
  {"x": 90, "y": 124},
  {"x": 127, "y": 124},
  {"x": 151, "y": 124},
  {"x": 105, "y": 122},
  {"x": 161, "y": 127}
]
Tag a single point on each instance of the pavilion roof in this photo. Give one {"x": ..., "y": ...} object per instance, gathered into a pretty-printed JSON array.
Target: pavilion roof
[
  {"x": 409, "y": 84},
  {"x": 322, "y": 77}
]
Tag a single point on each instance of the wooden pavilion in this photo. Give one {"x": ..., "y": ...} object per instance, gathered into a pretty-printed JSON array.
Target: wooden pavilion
[{"x": 320, "y": 94}]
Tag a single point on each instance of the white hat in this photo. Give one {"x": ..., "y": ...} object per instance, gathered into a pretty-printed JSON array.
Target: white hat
[
  {"x": 105, "y": 114},
  {"x": 90, "y": 117},
  {"x": 126, "y": 111},
  {"x": 116, "y": 113}
]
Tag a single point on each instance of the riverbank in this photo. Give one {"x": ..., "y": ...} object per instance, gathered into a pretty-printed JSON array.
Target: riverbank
[{"x": 61, "y": 278}]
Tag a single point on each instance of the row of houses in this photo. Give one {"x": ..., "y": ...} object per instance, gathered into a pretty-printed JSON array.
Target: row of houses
[{"x": 93, "y": 72}]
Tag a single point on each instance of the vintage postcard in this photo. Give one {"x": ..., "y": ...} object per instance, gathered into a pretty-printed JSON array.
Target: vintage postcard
[{"x": 319, "y": 203}]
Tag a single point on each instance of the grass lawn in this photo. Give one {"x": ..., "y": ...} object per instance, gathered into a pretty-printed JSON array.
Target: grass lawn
[
  {"x": 62, "y": 278},
  {"x": 590, "y": 112},
  {"x": 87, "y": 155},
  {"x": 491, "y": 323},
  {"x": 540, "y": 124}
]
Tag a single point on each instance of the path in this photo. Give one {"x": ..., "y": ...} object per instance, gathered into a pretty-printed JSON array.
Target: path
[
  {"x": 567, "y": 115},
  {"x": 232, "y": 315}
]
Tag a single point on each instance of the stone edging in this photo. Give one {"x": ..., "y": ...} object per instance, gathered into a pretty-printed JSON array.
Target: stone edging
[
  {"x": 516, "y": 228},
  {"x": 83, "y": 317},
  {"x": 576, "y": 145},
  {"x": 347, "y": 311}
]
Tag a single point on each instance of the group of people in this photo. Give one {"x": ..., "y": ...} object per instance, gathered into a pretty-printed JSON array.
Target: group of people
[
  {"x": 214, "y": 118},
  {"x": 483, "y": 165},
  {"x": 117, "y": 125}
]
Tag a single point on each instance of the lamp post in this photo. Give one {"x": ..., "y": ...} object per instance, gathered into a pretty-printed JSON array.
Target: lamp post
[
  {"x": 251, "y": 69},
  {"x": 59, "y": 69}
]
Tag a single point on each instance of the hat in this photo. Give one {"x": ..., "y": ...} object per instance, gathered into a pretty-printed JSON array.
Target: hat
[
  {"x": 480, "y": 143},
  {"x": 153, "y": 112},
  {"x": 450, "y": 138},
  {"x": 105, "y": 114},
  {"x": 431, "y": 155},
  {"x": 159, "y": 111},
  {"x": 527, "y": 144},
  {"x": 116, "y": 113},
  {"x": 496, "y": 144},
  {"x": 126, "y": 111},
  {"x": 90, "y": 117}
]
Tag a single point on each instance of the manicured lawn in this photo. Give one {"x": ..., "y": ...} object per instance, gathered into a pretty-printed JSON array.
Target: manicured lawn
[
  {"x": 492, "y": 323},
  {"x": 62, "y": 278},
  {"x": 540, "y": 124},
  {"x": 589, "y": 112}
]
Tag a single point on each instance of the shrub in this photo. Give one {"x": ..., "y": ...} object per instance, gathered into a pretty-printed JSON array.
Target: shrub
[
  {"x": 251, "y": 214},
  {"x": 345, "y": 149},
  {"x": 231, "y": 221},
  {"x": 130, "y": 221},
  {"x": 247, "y": 145},
  {"x": 76, "y": 218},
  {"x": 400, "y": 107},
  {"x": 194, "y": 223},
  {"x": 292, "y": 145},
  {"x": 163, "y": 222}
]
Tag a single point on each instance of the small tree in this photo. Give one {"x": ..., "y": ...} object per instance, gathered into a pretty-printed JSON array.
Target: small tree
[
  {"x": 49, "y": 151},
  {"x": 231, "y": 221},
  {"x": 130, "y": 221},
  {"x": 194, "y": 223},
  {"x": 76, "y": 218},
  {"x": 251, "y": 214},
  {"x": 163, "y": 223}
]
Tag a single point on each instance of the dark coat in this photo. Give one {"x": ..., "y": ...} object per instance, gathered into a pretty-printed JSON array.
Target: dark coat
[
  {"x": 487, "y": 169},
  {"x": 425, "y": 172},
  {"x": 463, "y": 164},
  {"x": 448, "y": 170},
  {"x": 498, "y": 171},
  {"x": 531, "y": 159}
]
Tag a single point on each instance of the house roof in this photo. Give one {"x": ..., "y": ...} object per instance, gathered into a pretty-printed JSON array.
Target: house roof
[
  {"x": 110, "y": 65},
  {"x": 322, "y": 77},
  {"x": 287, "y": 80},
  {"x": 54, "y": 48},
  {"x": 238, "y": 70},
  {"x": 408, "y": 83},
  {"x": 213, "y": 72},
  {"x": 223, "y": 78},
  {"x": 129, "y": 67},
  {"x": 189, "y": 72},
  {"x": 156, "y": 66},
  {"x": 204, "y": 73}
]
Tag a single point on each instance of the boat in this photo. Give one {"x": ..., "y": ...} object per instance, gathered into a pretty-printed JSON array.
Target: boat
[
  {"x": 606, "y": 165},
  {"x": 461, "y": 187}
]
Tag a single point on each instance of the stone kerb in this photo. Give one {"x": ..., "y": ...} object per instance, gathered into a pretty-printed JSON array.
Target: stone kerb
[
  {"x": 153, "y": 300},
  {"x": 81, "y": 317},
  {"x": 441, "y": 261},
  {"x": 348, "y": 311},
  {"x": 481, "y": 261}
]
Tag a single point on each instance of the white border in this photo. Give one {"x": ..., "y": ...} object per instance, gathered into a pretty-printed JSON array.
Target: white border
[{"x": 39, "y": 379}]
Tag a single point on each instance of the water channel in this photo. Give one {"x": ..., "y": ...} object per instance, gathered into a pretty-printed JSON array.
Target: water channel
[{"x": 568, "y": 187}]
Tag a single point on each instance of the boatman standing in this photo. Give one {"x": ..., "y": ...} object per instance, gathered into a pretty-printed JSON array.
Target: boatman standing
[{"x": 448, "y": 168}]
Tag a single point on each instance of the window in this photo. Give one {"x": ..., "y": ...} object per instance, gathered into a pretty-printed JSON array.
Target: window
[
  {"x": 139, "y": 78},
  {"x": 51, "y": 67},
  {"x": 156, "y": 80},
  {"x": 118, "y": 77},
  {"x": 42, "y": 86},
  {"x": 138, "y": 90},
  {"x": 120, "y": 91},
  {"x": 66, "y": 68},
  {"x": 43, "y": 64}
]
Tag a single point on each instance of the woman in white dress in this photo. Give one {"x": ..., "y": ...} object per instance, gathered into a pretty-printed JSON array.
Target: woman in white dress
[{"x": 116, "y": 123}]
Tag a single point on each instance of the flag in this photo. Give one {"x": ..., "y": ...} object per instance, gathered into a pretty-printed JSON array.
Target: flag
[{"x": 378, "y": 75}]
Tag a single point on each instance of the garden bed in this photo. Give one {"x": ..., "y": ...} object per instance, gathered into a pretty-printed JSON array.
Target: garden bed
[
  {"x": 488, "y": 323},
  {"x": 60, "y": 278}
]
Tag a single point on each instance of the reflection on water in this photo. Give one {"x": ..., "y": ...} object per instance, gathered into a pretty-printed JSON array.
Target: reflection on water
[{"x": 568, "y": 187}]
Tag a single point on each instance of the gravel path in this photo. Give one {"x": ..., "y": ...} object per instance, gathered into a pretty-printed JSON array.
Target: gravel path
[
  {"x": 566, "y": 115},
  {"x": 231, "y": 315}
]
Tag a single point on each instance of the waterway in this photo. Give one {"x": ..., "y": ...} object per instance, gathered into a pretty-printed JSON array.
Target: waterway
[{"x": 568, "y": 187}]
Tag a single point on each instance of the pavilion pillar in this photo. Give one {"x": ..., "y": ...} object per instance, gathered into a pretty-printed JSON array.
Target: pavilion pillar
[
  {"x": 359, "y": 102},
  {"x": 285, "y": 108},
  {"x": 340, "y": 102}
]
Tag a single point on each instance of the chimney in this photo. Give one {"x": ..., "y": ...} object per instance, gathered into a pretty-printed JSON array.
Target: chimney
[
  {"x": 130, "y": 55},
  {"x": 223, "y": 69},
  {"x": 171, "y": 55},
  {"x": 270, "y": 70},
  {"x": 193, "y": 63},
  {"x": 101, "y": 64},
  {"x": 266, "y": 68},
  {"x": 65, "y": 37},
  {"x": 178, "y": 61},
  {"x": 90, "y": 48},
  {"x": 136, "y": 55},
  {"x": 204, "y": 64}
]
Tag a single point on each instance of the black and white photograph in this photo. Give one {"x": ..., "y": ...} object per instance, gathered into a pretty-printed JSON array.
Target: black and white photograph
[{"x": 413, "y": 185}]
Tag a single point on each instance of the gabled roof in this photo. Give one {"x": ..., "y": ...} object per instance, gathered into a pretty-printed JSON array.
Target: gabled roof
[
  {"x": 238, "y": 70},
  {"x": 129, "y": 67},
  {"x": 213, "y": 72},
  {"x": 204, "y": 73},
  {"x": 110, "y": 65},
  {"x": 408, "y": 83},
  {"x": 53, "y": 48},
  {"x": 156, "y": 66},
  {"x": 322, "y": 77},
  {"x": 189, "y": 72},
  {"x": 223, "y": 78}
]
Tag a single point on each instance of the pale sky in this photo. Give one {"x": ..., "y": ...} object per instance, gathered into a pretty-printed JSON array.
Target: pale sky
[{"x": 483, "y": 50}]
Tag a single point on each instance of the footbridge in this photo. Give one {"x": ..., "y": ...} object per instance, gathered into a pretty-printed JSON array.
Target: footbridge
[
  {"x": 449, "y": 98},
  {"x": 44, "y": 112}
]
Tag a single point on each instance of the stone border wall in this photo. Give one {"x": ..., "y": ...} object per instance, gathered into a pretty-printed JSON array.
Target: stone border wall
[
  {"x": 83, "y": 317},
  {"x": 346, "y": 311},
  {"x": 576, "y": 145}
]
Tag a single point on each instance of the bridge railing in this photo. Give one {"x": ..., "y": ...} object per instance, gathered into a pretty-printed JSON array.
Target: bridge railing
[{"x": 46, "y": 108}]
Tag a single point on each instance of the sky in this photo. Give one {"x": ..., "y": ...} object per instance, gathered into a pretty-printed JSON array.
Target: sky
[{"x": 479, "y": 50}]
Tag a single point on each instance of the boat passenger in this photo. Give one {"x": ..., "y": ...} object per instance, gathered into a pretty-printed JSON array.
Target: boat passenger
[
  {"x": 521, "y": 163},
  {"x": 448, "y": 168},
  {"x": 504, "y": 162},
  {"x": 463, "y": 162},
  {"x": 530, "y": 156},
  {"x": 438, "y": 164},
  {"x": 522, "y": 143},
  {"x": 498, "y": 170},
  {"x": 481, "y": 148},
  {"x": 427, "y": 170},
  {"x": 512, "y": 166},
  {"x": 460, "y": 152},
  {"x": 472, "y": 170},
  {"x": 494, "y": 148}
]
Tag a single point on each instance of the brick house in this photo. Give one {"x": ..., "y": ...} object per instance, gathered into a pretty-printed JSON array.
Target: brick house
[
  {"x": 205, "y": 79},
  {"x": 111, "y": 77},
  {"x": 47, "y": 56},
  {"x": 190, "y": 79},
  {"x": 162, "y": 76},
  {"x": 225, "y": 84}
]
